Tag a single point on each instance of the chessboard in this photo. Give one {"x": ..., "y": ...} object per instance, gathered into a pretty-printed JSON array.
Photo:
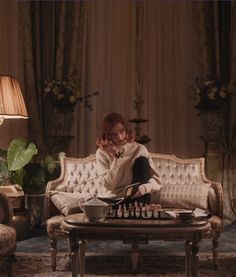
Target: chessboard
[{"x": 138, "y": 211}]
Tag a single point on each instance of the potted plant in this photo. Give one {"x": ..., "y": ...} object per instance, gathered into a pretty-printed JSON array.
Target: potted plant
[
  {"x": 18, "y": 168},
  {"x": 13, "y": 161}
]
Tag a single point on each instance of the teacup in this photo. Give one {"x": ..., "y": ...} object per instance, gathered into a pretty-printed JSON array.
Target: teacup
[{"x": 95, "y": 209}]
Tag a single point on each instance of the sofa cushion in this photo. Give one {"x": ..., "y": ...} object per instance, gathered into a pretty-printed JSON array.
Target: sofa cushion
[
  {"x": 184, "y": 196},
  {"x": 67, "y": 202}
]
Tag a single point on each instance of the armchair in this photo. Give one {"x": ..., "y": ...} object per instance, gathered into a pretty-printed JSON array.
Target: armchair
[{"x": 7, "y": 234}]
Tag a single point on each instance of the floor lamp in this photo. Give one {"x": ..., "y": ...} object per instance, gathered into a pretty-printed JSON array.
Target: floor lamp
[{"x": 12, "y": 103}]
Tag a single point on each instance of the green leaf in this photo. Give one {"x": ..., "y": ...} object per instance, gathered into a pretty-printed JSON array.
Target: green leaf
[{"x": 19, "y": 154}]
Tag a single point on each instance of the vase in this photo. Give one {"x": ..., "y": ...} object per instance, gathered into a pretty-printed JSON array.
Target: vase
[
  {"x": 62, "y": 120},
  {"x": 213, "y": 121}
]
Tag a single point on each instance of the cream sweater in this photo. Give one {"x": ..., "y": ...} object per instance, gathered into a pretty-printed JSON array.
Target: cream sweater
[{"x": 118, "y": 172}]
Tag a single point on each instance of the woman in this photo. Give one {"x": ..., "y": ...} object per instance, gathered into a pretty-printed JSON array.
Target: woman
[{"x": 122, "y": 162}]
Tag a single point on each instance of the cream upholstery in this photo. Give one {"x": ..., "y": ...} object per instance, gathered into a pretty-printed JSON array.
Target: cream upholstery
[
  {"x": 80, "y": 176},
  {"x": 7, "y": 233}
]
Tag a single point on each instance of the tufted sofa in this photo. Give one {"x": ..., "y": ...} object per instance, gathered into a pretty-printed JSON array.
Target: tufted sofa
[
  {"x": 7, "y": 234},
  {"x": 184, "y": 185}
]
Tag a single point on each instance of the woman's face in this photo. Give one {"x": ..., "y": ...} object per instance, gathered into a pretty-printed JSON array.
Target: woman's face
[{"x": 118, "y": 134}]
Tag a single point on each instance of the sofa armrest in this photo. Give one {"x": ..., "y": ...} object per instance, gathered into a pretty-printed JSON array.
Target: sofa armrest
[{"x": 218, "y": 202}]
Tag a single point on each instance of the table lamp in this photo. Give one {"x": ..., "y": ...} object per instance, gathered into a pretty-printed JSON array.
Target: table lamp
[{"x": 12, "y": 103}]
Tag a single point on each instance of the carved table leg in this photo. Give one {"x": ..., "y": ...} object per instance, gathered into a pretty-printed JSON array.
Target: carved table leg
[
  {"x": 194, "y": 259},
  {"x": 188, "y": 245},
  {"x": 82, "y": 246},
  {"x": 135, "y": 255},
  {"x": 74, "y": 257}
]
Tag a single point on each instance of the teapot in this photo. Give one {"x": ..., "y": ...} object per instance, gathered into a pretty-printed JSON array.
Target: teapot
[{"x": 94, "y": 209}]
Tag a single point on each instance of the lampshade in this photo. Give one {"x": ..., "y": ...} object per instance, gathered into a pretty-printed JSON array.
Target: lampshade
[{"x": 12, "y": 103}]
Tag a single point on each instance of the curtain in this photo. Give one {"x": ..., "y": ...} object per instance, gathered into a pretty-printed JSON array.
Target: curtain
[
  {"x": 64, "y": 50},
  {"x": 123, "y": 49},
  {"x": 51, "y": 47},
  {"x": 146, "y": 48},
  {"x": 230, "y": 156},
  {"x": 31, "y": 45},
  {"x": 216, "y": 27}
]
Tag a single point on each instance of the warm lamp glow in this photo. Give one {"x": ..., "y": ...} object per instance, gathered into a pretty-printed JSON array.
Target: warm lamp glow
[{"x": 12, "y": 103}]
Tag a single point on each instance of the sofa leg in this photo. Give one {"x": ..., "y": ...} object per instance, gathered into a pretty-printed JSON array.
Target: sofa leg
[
  {"x": 53, "y": 250},
  {"x": 215, "y": 244}
]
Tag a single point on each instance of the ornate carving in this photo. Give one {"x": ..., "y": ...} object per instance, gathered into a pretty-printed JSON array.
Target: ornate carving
[
  {"x": 61, "y": 122},
  {"x": 212, "y": 125},
  {"x": 60, "y": 129}
]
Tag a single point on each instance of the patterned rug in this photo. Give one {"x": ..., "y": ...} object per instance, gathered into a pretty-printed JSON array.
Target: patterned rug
[{"x": 28, "y": 265}]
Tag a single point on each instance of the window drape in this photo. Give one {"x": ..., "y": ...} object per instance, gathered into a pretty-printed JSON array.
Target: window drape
[
  {"x": 216, "y": 26},
  {"x": 145, "y": 47}
]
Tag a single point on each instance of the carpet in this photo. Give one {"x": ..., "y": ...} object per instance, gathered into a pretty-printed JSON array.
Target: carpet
[{"x": 32, "y": 265}]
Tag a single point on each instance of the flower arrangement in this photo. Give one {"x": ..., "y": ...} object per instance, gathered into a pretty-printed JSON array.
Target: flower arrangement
[
  {"x": 63, "y": 94},
  {"x": 211, "y": 93}
]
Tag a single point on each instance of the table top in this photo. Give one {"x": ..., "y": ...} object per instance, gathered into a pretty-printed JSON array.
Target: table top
[
  {"x": 78, "y": 227},
  {"x": 80, "y": 220}
]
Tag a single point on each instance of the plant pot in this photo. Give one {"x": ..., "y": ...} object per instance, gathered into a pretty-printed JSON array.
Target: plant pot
[{"x": 61, "y": 122}]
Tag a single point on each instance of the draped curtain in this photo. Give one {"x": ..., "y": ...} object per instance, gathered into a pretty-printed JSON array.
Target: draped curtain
[
  {"x": 51, "y": 50},
  {"x": 142, "y": 48},
  {"x": 121, "y": 49},
  {"x": 30, "y": 43},
  {"x": 64, "y": 50},
  {"x": 217, "y": 33}
]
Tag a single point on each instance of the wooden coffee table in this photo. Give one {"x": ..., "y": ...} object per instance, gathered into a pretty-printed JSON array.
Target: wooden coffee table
[{"x": 80, "y": 230}]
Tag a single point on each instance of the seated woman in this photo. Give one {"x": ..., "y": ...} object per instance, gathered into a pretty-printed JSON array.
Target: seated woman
[{"x": 122, "y": 162}]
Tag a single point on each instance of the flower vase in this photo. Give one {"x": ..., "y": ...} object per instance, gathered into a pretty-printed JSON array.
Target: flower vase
[
  {"x": 213, "y": 121},
  {"x": 62, "y": 120}
]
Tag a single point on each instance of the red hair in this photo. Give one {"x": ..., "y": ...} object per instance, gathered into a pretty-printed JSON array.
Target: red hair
[{"x": 109, "y": 122}]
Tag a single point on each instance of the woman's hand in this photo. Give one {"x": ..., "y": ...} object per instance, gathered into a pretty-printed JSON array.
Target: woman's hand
[
  {"x": 113, "y": 151},
  {"x": 109, "y": 147},
  {"x": 141, "y": 191}
]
